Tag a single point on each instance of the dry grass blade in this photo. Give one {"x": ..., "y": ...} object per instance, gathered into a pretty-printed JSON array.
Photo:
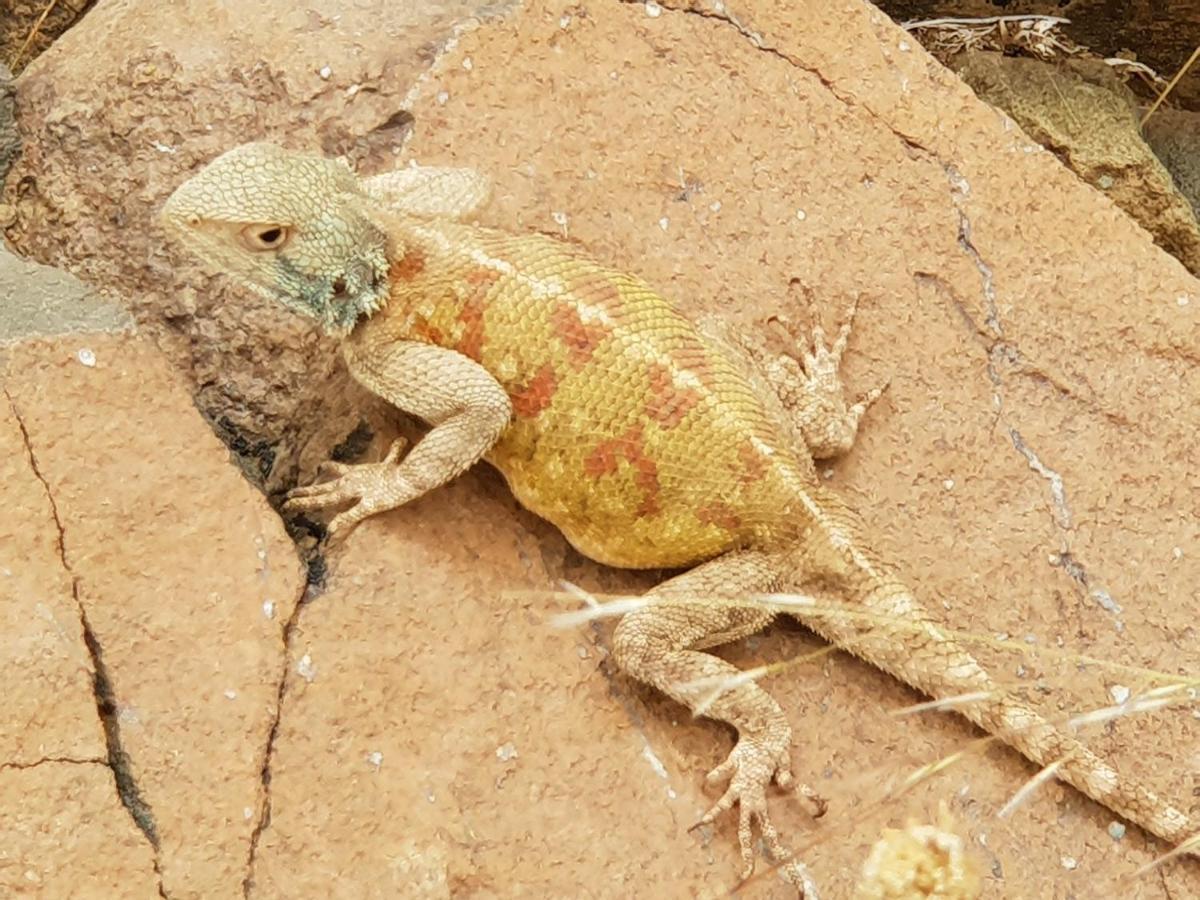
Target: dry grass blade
[
  {"x": 1170, "y": 86},
  {"x": 32, "y": 36},
  {"x": 1191, "y": 845},
  {"x": 944, "y": 703},
  {"x": 722, "y": 684},
  {"x": 1029, "y": 787}
]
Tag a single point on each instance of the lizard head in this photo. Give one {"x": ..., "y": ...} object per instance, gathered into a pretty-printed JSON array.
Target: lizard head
[{"x": 291, "y": 227}]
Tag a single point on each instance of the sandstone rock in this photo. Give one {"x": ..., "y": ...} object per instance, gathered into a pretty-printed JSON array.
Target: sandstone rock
[
  {"x": 1083, "y": 114},
  {"x": 1029, "y": 470},
  {"x": 1174, "y": 136},
  {"x": 158, "y": 564}
]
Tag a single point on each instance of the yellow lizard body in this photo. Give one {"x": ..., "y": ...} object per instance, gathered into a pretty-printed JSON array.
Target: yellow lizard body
[{"x": 675, "y": 462}]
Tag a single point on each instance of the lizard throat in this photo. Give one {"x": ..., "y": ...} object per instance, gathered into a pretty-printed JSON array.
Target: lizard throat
[{"x": 338, "y": 301}]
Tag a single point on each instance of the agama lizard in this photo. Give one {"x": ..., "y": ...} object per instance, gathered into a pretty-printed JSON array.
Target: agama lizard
[{"x": 648, "y": 442}]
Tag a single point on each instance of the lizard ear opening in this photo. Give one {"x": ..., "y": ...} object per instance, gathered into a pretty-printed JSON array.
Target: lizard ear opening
[{"x": 265, "y": 236}]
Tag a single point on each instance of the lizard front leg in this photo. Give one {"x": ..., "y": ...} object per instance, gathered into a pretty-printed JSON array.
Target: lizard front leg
[
  {"x": 466, "y": 406},
  {"x": 661, "y": 644}
]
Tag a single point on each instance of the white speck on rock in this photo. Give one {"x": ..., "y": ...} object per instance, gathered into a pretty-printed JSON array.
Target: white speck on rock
[
  {"x": 653, "y": 10},
  {"x": 505, "y": 752},
  {"x": 1069, "y": 862},
  {"x": 306, "y": 669},
  {"x": 230, "y": 694},
  {"x": 269, "y": 609},
  {"x": 564, "y": 21},
  {"x": 1119, "y": 693},
  {"x": 87, "y": 357},
  {"x": 325, "y": 72},
  {"x": 468, "y": 63},
  {"x": 1104, "y": 182},
  {"x": 948, "y": 484},
  {"x": 801, "y": 215},
  {"x": 1177, "y": 552},
  {"x": 663, "y": 223},
  {"x": 560, "y": 219},
  {"x": 442, "y": 97},
  {"x": 1183, "y": 300},
  {"x": 905, "y": 46},
  {"x": 1116, "y": 830},
  {"x": 655, "y": 763},
  {"x": 375, "y": 758},
  {"x": 247, "y": 813}
]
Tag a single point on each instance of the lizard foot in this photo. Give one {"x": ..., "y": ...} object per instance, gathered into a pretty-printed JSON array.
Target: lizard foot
[
  {"x": 750, "y": 767},
  {"x": 828, "y": 424},
  {"x": 370, "y": 487}
]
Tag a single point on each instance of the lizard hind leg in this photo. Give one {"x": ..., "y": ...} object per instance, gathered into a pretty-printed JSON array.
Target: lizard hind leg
[{"x": 661, "y": 645}]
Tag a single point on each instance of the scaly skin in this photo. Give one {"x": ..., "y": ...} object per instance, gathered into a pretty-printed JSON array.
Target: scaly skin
[{"x": 647, "y": 442}]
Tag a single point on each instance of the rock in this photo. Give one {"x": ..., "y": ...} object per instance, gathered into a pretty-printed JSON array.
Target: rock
[
  {"x": 1050, "y": 383},
  {"x": 152, "y": 560},
  {"x": 10, "y": 140},
  {"x": 1079, "y": 110},
  {"x": 1174, "y": 136}
]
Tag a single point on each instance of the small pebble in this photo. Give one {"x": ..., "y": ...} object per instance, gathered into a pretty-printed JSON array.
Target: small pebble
[
  {"x": 506, "y": 752},
  {"x": 1119, "y": 693},
  {"x": 948, "y": 484},
  {"x": 269, "y": 609},
  {"x": 325, "y": 72},
  {"x": 801, "y": 215},
  {"x": 87, "y": 357},
  {"x": 1116, "y": 831},
  {"x": 1069, "y": 862},
  {"x": 230, "y": 693},
  {"x": 653, "y": 10},
  {"x": 375, "y": 758},
  {"x": 306, "y": 669}
]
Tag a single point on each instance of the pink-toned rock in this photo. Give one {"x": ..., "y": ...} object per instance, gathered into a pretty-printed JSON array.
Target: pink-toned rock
[
  {"x": 65, "y": 835},
  {"x": 185, "y": 577},
  {"x": 1030, "y": 469}
]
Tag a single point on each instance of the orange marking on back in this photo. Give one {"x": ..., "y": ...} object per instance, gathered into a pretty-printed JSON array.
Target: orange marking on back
[
  {"x": 601, "y": 292},
  {"x": 422, "y": 330},
  {"x": 407, "y": 267},
  {"x": 471, "y": 315},
  {"x": 668, "y": 403},
  {"x": 754, "y": 463},
  {"x": 630, "y": 447},
  {"x": 581, "y": 339},
  {"x": 719, "y": 514},
  {"x": 537, "y": 394}
]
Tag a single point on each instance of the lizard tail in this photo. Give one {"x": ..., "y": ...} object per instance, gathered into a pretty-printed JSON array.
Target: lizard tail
[{"x": 926, "y": 658}]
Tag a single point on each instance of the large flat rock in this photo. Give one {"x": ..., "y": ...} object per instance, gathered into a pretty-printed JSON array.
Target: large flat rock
[{"x": 1030, "y": 469}]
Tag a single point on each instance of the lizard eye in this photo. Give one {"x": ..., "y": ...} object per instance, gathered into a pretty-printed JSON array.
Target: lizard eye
[{"x": 265, "y": 237}]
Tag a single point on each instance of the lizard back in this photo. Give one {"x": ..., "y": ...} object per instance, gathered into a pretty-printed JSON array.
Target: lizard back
[{"x": 631, "y": 431}]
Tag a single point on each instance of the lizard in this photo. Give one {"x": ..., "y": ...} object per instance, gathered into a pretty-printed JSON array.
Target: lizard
[{"x": 649, "y": 441}]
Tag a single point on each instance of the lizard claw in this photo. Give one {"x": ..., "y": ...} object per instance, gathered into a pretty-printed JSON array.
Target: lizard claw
[
  {"x": 364, "y": 485},
  {"x": 749, "y": 768}
]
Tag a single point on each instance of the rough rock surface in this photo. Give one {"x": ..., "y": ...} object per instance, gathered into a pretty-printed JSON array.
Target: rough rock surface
[
  {"x": 1078, "y": 110},
  {"x": 136, "y": 572},
  {"x": 1029, "y": 469},
  {"x": 1161, "y": 35},
  {"x": 1174, "y": 136}
]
